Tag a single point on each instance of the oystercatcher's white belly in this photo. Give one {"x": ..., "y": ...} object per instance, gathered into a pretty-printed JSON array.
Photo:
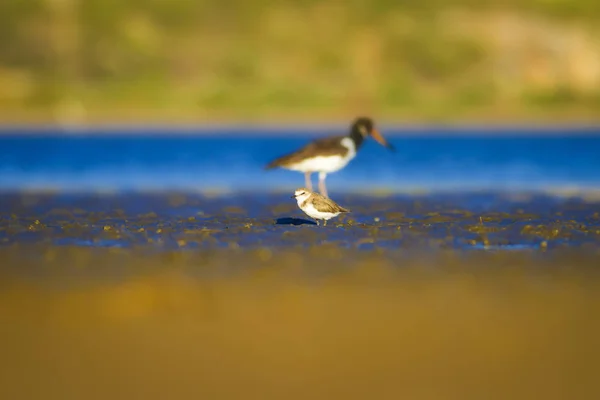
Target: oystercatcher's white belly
[
  {"x": 321, "y": 164},
  {"x": 312, "y": 212},
  {"x": 326, "y": 164}
]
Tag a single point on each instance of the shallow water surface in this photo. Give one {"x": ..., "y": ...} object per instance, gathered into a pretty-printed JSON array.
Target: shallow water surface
[{"x": 233, "y": 159}]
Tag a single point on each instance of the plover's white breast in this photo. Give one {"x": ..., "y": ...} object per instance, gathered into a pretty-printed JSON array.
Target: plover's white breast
[{"x": 312, "y": 212}]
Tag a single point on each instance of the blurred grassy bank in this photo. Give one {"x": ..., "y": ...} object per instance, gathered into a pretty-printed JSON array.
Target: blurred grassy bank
[{"x": 187, "y": 60}]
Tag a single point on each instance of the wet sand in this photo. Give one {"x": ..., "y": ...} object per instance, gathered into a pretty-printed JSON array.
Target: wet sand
[
  {"x": 158, "y": 221},
  {"x": 188, "y": 295}
]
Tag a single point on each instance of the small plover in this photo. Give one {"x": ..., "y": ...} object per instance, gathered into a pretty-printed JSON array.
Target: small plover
[
  {"x": 317, "y": 206},
  {"x": 329, "y": 154}
]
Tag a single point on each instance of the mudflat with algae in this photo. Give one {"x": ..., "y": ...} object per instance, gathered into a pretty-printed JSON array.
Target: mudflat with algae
[{"x": 462, "y": 296}]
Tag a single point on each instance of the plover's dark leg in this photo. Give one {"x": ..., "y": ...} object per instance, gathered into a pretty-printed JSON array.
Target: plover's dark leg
[
  {"x": 322, "y": 187},
  {"x": 324, "y": 222},
  {"x": 317, "y": 221},
  {"x": 308, "y": 181}
]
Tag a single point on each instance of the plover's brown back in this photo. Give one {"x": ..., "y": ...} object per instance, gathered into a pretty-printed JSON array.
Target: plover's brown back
[{"x": 324, "y": 204}]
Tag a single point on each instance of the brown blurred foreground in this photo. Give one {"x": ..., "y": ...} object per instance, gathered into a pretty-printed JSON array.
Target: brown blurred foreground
[{"x": 116, "y": 324}]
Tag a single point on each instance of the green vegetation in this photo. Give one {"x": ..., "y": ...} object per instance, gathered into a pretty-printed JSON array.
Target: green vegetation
[{"x": 214, "y": 60}]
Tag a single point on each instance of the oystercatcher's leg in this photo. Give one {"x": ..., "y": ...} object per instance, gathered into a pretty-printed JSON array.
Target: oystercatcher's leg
[
  {"x": 322, "y": 187},
  {"x": 308, "y": 182}
]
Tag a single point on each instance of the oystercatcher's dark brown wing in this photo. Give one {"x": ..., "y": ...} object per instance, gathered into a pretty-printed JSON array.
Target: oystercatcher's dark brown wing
[{"x": 321, "y": 147}]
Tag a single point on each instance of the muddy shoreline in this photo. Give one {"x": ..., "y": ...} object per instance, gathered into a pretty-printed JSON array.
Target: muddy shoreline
[
  {"x": 187, "y": 295},
  {"x": 180, "y": 221}
]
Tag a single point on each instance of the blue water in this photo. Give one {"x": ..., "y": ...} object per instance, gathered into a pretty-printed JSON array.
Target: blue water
[{"x": 234, "y": 160}]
